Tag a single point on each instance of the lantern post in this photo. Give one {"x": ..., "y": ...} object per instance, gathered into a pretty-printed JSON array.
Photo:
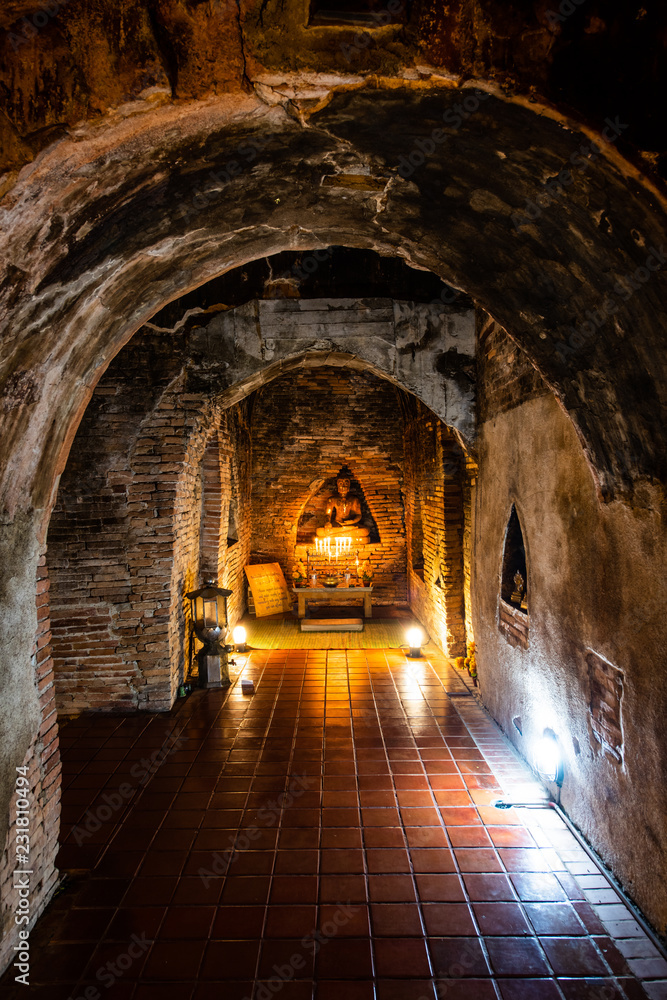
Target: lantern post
[{"x": 208, "y": 607}]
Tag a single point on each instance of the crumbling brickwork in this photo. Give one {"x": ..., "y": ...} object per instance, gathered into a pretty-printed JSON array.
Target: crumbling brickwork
[
  {"x": 44, "y": 777},
  {"x": 507, "y": 378},
  {"x": 437, "y": 491},
  {"x": 124, "y": 540}
]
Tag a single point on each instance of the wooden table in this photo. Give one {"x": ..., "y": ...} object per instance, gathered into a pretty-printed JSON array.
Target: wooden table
[{"x": 317, "y": 593}]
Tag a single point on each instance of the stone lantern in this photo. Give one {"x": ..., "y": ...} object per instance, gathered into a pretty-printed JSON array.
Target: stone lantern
[{"x": 208, "y": 607}]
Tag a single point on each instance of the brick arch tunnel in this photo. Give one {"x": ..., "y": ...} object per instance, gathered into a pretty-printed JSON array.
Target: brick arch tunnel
[
  {"x": 143, "y": 503},
  {"x": 574, "y": 273}
]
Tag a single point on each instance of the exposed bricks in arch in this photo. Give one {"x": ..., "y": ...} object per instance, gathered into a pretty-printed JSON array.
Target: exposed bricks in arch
[
  {"x": 44, "y": 777},
  {"x": 125, "y": 548}
]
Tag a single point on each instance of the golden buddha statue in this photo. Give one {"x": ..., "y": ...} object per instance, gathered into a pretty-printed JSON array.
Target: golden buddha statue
[
  {"x": 344, "y": 514},
  {"x": 519, "y": 585}
]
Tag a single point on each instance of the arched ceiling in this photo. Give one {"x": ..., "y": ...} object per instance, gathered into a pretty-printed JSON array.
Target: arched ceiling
[{"x": 109, "y": 225}]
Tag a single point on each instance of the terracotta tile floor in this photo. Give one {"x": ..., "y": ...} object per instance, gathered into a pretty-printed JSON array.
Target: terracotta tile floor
[{"x": 331, "y": 836}]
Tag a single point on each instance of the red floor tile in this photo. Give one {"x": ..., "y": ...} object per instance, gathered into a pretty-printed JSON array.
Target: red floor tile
[
  {"x": 228, "y": 960},
  {"x": 193, "y": 890},
  {"x": 245, "y": 922},
  {"x": 286, "y": 958},
  {"x": 396, "y": 919},
  {"x": 350, "y": 920},
  {"x": 377, "y": 837},
  {"x": 554, "y": 918},
  {"x": 432, "y": 860},
  {"x": 516, "y": 956},
  {"x": 344, "y": 861},
  {"x": 524, "y": 860},
  {"x": 380, "y": 817},
  {"x": 529, "y": 989},
  {"x": 501, "y": 919},
  {"x": 163, "y": 991},
  {"x": 345, "y": 959},
  {"x": 440, "y": 888},
  {"x": 448, "y": 919},
  {"x": 389, "y": 860},
  {"x": 584, "y": 989},
  {"x": 469, "y": 836},
  {"x": 85, "y": 925},
  {"x": 186, "y": 923},
  {"x": 400, "y": 958},
  {"x": 296, "y": 862},
  {"x": 332, "y": 989},
  {"x": 466, "y": 989},
  {"x": 457, "y": 957},
  {"x": 538, "y": 888},
  {"x": 168, "y": 963},
  {"x": 507, "y": 836},
  {"x": 429, "y": 836},
  {"x": 482, "y": 888},
  {"x": 294, "y": 839},
  {"x": 391, "y": 889},
  {"x": 341, "y": 838},
  {"x": 459, "y": 816},
  {"x": 245, "y": 890},
  {"x": 477, "y": 859},
  {"x": 342, "y": 889},
  {"x": 573, "y": 956}
]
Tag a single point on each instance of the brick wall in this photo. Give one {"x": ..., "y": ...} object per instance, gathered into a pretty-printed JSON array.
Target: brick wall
[
  {"x": 124, "y": 538},
  {"x": 469, "y": 488},
  {"x": 438, "y": 505},
  {"x": 506, "y": 377},
  {"x": 44, "y": 775},
  {"x": 305, "y": 427},
  {"x": 606, "y": 683}
]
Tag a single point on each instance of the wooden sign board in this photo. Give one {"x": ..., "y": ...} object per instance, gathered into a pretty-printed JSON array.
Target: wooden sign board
[{"x": 269, "y": 590}]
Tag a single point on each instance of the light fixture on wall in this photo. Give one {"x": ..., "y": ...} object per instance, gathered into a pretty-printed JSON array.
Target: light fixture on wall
[
  {"x": 239, "y": 637},
  {"x": 208, "y": 607},
  {"x": 548, "y": 757},
  {"x": 415, "y": 640}
]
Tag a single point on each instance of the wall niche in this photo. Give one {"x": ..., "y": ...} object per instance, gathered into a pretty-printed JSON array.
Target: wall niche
[
  {"x": 513, "y": 603},
  {"x": 314, "y": 513}
]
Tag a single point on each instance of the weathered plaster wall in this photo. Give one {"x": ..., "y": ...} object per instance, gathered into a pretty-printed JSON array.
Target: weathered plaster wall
[
  {"x": 597, "y": 580},
  {"x": 422, "y": 347}
]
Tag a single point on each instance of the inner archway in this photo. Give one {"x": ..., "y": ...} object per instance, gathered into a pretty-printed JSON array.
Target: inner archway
[{"x": 164, "y": 447}]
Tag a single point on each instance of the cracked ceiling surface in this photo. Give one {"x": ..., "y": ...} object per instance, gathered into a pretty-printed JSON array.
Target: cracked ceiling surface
[{"x": 111, "y": 224}]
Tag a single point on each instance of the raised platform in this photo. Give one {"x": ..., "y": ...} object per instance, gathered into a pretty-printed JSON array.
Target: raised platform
[
  {"x": 332, "y": 624},
  {"x": 305, "y": 594}
]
